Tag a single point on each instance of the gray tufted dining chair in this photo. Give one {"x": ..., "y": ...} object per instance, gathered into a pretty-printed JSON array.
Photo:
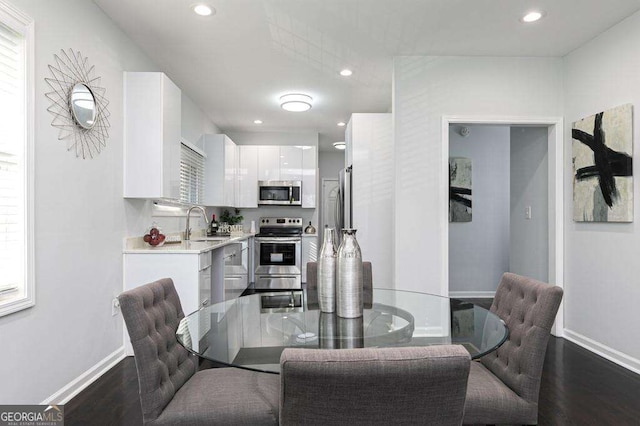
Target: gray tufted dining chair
[
  {"x": 373, "y": 386},
  {"x": 171, "y": 391},
  {"x": 504, "y": 386}
]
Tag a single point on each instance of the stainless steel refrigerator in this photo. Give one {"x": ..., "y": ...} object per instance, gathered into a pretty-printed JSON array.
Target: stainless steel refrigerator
[{"x": 344, "y": 202}]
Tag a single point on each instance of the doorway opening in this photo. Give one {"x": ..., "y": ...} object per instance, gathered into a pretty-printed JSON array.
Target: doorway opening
[
  {"x": 498, "y": 206},
  {"x": 506, "y": 207}
]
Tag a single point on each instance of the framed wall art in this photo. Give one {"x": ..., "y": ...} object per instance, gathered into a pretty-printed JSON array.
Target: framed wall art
[
  {"x": 459, "y": 189},
  {"x": 602, "y": 166}
]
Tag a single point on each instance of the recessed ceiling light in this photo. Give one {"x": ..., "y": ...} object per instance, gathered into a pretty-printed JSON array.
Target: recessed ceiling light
[
  {"x": 532, "y": 16},
  {"x": 257, "y": 121},
  {"x": 342, "y": 124},
  {"x": 346, "y": 72},
  {"x": 203, "y": 10},
  {"x": 339, "y": 145},
  {"x": 296, "y": 102}
]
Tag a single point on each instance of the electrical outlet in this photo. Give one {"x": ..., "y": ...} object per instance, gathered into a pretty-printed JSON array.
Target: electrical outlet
[
  {"x": 527, "y": 212},
  {"x": 115, "y": 307}
]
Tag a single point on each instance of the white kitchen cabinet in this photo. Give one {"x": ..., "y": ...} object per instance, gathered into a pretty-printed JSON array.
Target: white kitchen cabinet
[
  {"x": 236, "y": 269},
  {"x": 230, "y": 167},
  {"x": 309, "y": 177},
  {"x": 371, "y": 145},
  {"x": 191, "y": 274},
  {"x": 291, "y": 163},
  {"x": 247, "y": 183},
  {"x": 348, "y": 140},
  {"x": 309, "y": 253},
  {"x": 268, "y": 162},
  {"x": 219, "y": 171},
  {"x": 152, "y": 129}
]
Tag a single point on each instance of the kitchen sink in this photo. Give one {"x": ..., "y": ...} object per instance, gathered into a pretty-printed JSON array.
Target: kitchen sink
[{"x": 210, "y": 239}]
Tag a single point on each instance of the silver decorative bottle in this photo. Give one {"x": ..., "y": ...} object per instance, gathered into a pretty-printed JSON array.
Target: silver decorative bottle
[
  {"x": 327, "y": 272},
  {"x": 349, "y": 302}
]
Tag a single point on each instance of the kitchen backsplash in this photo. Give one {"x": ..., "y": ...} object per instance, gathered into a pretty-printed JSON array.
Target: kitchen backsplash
[
  {"x": 142, "y": 211},
  {"x": 275, "y": 211}
]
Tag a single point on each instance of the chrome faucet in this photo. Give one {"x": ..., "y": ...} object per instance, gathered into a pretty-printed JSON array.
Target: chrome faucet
[{"x": 187, "y": 231}]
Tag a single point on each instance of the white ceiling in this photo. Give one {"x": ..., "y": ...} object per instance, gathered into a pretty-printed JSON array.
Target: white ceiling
[{"x": 236, "y": 63}]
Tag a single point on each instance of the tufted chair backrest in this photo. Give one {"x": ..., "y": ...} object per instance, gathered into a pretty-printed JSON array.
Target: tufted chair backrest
[
  {"x": 528, "y": 307},
  {"x": 382, "y": 386},
  {"x": 152, "y": 313}
]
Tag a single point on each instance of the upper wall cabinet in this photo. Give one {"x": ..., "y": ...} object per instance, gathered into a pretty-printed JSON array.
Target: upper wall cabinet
[
  {"x": 291, "y": 163},
  {"x": 268, "y": 162},
  {"x": 220, "y": 171},
  {"x": 152, "y": 119},
  {"x": 247, "y": 177},
  {"x": 297, "y": 163}
]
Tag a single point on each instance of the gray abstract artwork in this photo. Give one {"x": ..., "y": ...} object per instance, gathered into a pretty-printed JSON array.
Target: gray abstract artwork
[
  {"x": 459, "y": 189},
  {"x": 602, "y": 166}
]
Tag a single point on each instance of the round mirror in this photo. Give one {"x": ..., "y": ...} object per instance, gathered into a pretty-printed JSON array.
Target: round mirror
[{"x": 83, "y": 106}]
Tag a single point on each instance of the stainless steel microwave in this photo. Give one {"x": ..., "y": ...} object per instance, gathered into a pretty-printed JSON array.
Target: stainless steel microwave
[{"x": 280, "y": 192}]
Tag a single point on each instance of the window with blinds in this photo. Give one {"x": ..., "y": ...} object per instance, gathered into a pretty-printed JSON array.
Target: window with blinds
[
  {"x": 191, "y": 175},
  {"x": 16, "y": 248}
]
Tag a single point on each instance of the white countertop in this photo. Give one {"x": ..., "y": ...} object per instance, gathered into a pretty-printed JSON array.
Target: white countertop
[{"x": 136, "y": 245}]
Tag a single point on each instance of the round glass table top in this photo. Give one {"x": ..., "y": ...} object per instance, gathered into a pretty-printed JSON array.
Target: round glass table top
[{"x": 252, "y": 331}]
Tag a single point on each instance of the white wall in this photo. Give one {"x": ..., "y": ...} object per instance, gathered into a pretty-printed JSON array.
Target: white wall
[
  {"x": 330, "y": 163},
  {"x": 529, "y": 238},
  {"x": 479, "y": 250},
  {"x": 425, "y": 89},
  {"x": 80, "y": 217},
  {"x": 195, "y": 123},
  {"x": 602, "y": 272}
]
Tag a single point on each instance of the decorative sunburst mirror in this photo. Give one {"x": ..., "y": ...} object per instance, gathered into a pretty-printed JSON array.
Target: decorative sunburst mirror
[{"x": 78, "y": 104}]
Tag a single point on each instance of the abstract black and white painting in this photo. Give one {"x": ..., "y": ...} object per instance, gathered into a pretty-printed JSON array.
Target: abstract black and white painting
[
  {"x": 602, "y": 166},
  {"x": 459, "y": 189}
]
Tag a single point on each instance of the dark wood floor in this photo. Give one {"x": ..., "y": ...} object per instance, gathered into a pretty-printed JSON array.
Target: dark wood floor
[{"x": 578, "y": 388}]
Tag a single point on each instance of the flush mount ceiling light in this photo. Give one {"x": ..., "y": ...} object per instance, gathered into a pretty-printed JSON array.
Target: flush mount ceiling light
[
  {"x": 257, "y": 121},
  {"x": 296, "y": 102},
  {"x": 339, "y": 145},
  {"x": 346, "y": 72},
  {"x": 341, "y": 124},
  {"x": 532, "y": 16},
  {"x": 203, "y": 10}
]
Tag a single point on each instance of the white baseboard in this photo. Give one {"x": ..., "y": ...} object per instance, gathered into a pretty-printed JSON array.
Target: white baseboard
[
  {"x": 472, "y": 294},
  {"x": 74, "y": 387},
  {"x": 604, "y": 351}
]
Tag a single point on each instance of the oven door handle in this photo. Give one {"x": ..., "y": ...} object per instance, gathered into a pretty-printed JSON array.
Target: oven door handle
[{"x": 278, "y": 240}]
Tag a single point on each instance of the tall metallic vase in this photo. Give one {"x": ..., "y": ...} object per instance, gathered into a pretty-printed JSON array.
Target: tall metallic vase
[
  {"x": 349, "y": 302},
  {"x": 327, "y": 272}
]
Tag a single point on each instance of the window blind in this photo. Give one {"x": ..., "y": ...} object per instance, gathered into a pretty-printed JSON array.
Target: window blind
[
  {"x": 12, "y": 165},
  {"x": 191, "y": 175}
]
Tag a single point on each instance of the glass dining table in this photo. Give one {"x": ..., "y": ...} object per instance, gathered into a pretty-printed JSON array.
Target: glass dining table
[{"x": 252, "y": 331}]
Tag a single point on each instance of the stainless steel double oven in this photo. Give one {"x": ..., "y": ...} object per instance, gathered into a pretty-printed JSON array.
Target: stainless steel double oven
[{"x": 278, "y": 254}]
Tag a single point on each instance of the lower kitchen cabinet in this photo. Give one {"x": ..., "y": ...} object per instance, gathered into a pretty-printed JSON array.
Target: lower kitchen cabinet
[
  {"x": 236, "y": 269},
  {"x": 191, "y": 274}
]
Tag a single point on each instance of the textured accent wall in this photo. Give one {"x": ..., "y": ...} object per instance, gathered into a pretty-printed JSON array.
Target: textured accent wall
[
  {"x": 602, "y": 272},
  {"x": 425, "y": 89}
]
